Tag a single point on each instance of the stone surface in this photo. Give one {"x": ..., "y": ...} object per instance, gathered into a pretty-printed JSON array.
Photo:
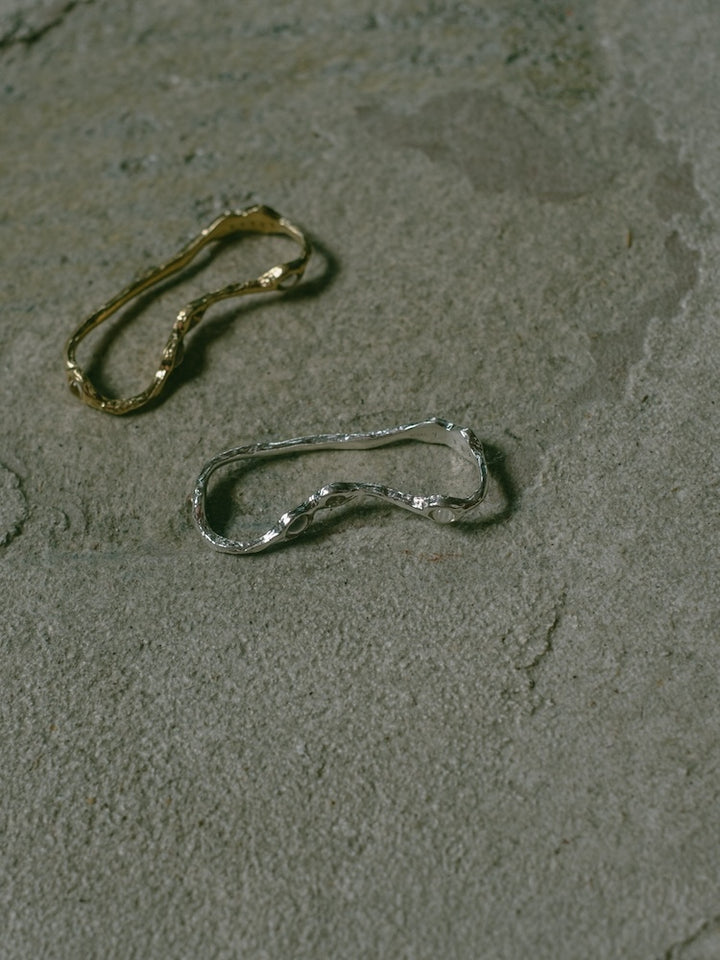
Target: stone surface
[
  {"x": 391, "y": 738},
  {"x": 13, "y": 508}
]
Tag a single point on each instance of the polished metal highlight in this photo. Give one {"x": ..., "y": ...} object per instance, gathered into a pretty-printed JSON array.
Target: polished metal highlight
[
  {"x": 257, "y": 219},
  {"x": 438, "y": 507}
]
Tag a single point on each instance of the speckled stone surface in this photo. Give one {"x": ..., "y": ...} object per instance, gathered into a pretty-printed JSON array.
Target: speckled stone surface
[{"x": 391, "y": 738}]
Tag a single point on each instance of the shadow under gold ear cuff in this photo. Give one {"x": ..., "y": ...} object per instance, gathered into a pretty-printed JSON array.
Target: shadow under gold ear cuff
[{"x": 257, "y": 219}]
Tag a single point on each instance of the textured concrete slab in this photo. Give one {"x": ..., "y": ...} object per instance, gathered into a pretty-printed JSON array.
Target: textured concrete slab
[{"x": 389, "y": 738}]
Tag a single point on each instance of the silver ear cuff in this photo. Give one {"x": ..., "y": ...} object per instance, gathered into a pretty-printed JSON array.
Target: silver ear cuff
[{"x": 438, "y": 507}]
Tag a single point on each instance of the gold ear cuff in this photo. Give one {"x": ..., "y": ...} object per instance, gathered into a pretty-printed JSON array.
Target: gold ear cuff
[{"x": 257, "y": 219}]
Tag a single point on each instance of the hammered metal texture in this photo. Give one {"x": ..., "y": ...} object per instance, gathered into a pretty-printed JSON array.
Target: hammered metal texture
[
  {"x": 256, "y": 219},
  {"x": 437, "y": 507}
]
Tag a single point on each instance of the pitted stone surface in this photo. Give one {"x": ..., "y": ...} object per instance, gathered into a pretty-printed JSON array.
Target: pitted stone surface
[
  {"x": 13, "y": 508},
  {"x": 392, "y": 738}
]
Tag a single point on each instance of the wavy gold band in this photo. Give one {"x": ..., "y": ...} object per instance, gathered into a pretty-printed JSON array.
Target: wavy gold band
[{"x": 257, "y": 219}]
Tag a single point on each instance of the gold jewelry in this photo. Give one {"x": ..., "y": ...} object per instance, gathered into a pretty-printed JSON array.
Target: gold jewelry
[{"x": 257, "y": 219}]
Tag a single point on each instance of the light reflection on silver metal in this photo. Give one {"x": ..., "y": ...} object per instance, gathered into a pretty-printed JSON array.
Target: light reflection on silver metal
[{"x": 437, "y": 507}]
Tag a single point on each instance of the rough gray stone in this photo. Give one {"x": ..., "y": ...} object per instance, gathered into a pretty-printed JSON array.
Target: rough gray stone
[{"x": 391, "y": 738}]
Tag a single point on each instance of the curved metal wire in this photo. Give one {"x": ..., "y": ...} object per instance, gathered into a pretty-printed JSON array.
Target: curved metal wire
[
  {"x": 437, "y": 507},
  {"x": 257, "y": 219}
]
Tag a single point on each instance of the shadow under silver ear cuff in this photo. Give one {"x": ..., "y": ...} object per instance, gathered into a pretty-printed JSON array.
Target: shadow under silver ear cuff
[{"x": 437, "y": 507}]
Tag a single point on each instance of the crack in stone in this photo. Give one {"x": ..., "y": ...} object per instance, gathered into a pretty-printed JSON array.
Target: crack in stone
[
  {"x": 547, "y": 647},
  {"x": 27, "y": 27},
  {"x": 13, "y": 506},
  {"x": 710, "y": 930},
  {"x": 616, "y": 353}
]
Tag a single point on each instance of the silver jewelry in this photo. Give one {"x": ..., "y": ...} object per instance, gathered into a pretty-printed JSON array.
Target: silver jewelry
[{"x": 437, "y": 507}]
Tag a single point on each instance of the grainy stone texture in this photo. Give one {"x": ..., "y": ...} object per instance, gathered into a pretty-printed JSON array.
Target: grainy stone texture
[{"x": 390, "y": 739}]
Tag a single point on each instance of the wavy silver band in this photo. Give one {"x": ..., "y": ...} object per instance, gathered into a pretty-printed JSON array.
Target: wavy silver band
[{"x": 437, "y": 507}]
